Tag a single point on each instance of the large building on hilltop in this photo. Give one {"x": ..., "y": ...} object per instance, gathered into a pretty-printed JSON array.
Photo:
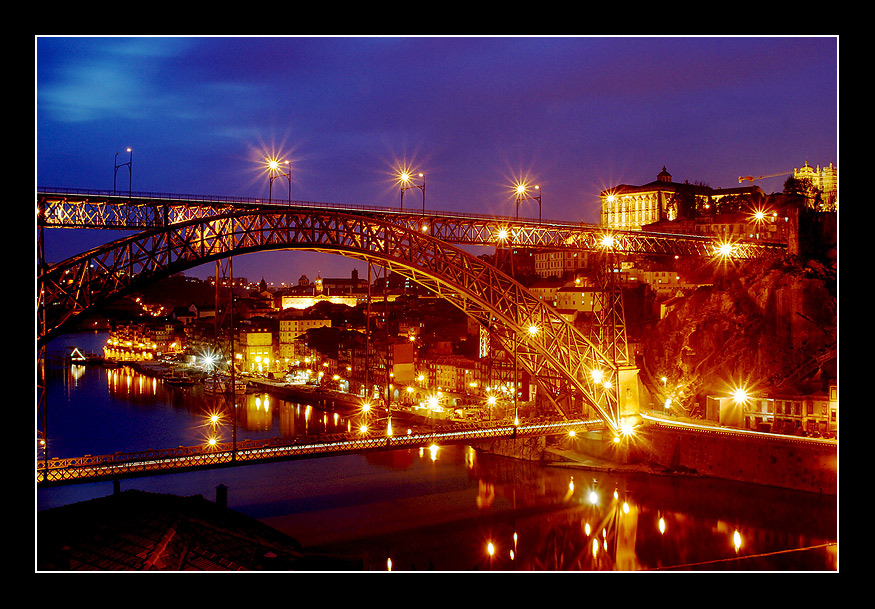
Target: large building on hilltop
[
  {"x": 825, "y": 181},
  {"x": 349, "y": 291},
  {"x": 627, "y": 207}
]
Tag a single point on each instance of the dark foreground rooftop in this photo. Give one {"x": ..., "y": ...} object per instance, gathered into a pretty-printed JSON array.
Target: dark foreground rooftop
[{"x": 139, "y": 531}]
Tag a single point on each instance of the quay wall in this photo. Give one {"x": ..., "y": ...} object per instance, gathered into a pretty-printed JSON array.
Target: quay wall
[
  {"x": 779, "y": 461},
  {"x": 771, "y": 460}
]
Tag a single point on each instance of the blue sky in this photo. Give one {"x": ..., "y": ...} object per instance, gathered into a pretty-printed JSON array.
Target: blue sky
[{"x": 575, "y": 115}]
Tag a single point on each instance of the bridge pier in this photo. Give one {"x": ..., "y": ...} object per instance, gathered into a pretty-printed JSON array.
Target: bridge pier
[
  {"x": 628, "y": 393},
  {"x": 601, "y": 445}
]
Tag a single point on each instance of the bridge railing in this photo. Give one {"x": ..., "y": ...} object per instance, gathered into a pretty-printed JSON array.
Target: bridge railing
[{"x": 174, "y": 198}]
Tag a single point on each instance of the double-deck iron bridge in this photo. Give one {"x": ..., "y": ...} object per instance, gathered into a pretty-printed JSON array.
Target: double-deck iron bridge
[{"x": 167, "y": 234}]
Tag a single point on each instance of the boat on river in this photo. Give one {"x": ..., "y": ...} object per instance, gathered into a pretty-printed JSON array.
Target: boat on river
[
  {"x": 218, "y": 385},
  {"x": 178, "y": 379},
  {"x": 77, "y": 356}
]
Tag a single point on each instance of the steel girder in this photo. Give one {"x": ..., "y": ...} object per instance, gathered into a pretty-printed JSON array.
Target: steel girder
[
  {"x": 608, "y": 327},
  {"x": 547, "y": 344},
  {"x": 90, "y": 210}
]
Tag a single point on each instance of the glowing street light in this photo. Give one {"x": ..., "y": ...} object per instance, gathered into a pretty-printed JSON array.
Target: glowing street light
[
  {"x": 118, "y": 166},
  {"x": 522, "y": 194},
  {"x": 760, "y": 214},
  {"x": 627, "y": 429},
  {"x": 406, "y": 181},
  {"x": 724, "y": 249},
  {"x": 607, "y": 242},
  {"x": 739, "y": 395},
  {"x": 273, "y": 172}
]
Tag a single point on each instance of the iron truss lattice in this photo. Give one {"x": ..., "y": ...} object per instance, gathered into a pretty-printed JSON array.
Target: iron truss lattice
[{"x": 547, "y": 345}]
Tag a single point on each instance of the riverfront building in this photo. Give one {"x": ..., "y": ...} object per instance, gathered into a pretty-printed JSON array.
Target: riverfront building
[
  {"x": 791, "y": 415},
  {"x": 254, "y": 351},
  {"x": 292, "y": 327},
  {"x": 142, "y": 341}
]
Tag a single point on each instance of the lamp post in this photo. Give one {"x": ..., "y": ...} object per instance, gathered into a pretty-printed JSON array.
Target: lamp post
[
  {"x": 523, "y": 195},
  {"x": 405, "y": 178},
  {"x": 274, "y": 172},
  {"x": 118, "y": 166}
]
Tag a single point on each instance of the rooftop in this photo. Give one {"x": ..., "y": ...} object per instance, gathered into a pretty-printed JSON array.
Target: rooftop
[{"x": 139, "y": 531}]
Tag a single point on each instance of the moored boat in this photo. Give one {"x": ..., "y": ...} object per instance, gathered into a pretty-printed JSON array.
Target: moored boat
[
  {"x": 77, "y": 356},
  {"x": 217, "y": 385},
  {"x": 178, "y": 379}
]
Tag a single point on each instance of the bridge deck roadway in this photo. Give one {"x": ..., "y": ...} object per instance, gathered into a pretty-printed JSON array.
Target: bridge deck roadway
[
  {"x": 176, "y": 460},
  {"x": 101, "y": 210}
]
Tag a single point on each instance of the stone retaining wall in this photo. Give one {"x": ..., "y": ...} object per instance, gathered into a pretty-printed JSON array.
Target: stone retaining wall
[
  {"x": 778, "y": 461},
  {"x": 771, "y": 461}
]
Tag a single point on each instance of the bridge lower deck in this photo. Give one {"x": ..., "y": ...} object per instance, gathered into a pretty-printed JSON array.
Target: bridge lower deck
[{"x": 176, "y": 460}]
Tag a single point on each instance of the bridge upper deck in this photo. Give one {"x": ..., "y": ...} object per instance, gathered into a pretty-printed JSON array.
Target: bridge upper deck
[{"x": 67, "y": 208}]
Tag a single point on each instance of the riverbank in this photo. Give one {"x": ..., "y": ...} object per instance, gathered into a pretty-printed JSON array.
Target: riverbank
[{"x": 803, "y": 464}]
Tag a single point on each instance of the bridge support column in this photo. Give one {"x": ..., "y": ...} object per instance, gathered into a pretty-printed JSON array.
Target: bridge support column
[{"x": 627, "y": 392}]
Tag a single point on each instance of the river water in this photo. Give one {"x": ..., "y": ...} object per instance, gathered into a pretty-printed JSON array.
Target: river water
[{"x": 418, "y": 510}]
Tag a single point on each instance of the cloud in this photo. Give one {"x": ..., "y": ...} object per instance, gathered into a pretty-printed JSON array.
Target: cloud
[{"x": 93, "y": 79}]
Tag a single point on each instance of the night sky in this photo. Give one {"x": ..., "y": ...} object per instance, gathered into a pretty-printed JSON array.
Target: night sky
[{"x": 574, "y": 115}]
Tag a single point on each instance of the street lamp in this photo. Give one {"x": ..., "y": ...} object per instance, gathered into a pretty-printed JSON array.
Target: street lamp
[
  {"x": 405, "y": 178},
  {"x": 118, "y": 166},
  {"x": 274, "y": 172},
  {"x": 522, "y": 194}
]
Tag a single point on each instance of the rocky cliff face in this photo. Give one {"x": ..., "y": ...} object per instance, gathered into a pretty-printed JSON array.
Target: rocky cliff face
[{"x": 769, "y": 324}]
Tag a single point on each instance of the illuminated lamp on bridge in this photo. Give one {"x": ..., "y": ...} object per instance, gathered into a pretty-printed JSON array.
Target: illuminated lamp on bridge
[
  {"x": 273, "y": 172},
  {"x": 405, "y": 179},
  {"x": 522, "y": 194},
  {"x": 627, "y": 430},
  {"x": 724, "y": 250},
  {"x": 608, "y": 241}
]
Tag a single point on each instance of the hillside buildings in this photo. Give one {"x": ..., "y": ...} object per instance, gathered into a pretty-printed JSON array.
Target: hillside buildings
[{"x": 413, "y": 346}]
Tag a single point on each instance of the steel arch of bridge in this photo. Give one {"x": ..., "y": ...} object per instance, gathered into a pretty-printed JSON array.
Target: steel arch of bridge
[{"x": 558, "y": 356}]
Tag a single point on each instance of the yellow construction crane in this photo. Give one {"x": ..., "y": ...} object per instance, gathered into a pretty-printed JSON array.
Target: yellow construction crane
[{"x": 752, "y": 178}]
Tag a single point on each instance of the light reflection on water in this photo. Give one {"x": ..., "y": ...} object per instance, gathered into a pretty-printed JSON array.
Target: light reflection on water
[{"x": 440, "y": 510}]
